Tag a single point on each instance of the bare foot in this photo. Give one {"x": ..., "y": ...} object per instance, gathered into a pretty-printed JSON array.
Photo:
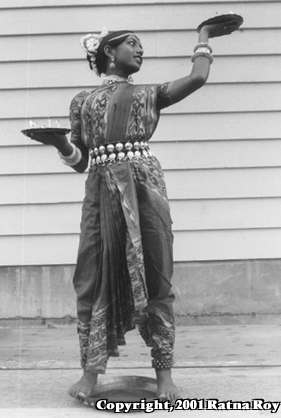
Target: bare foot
[
  {"x": 166, "y": 389},
  {"x": 83, "y": 388}
]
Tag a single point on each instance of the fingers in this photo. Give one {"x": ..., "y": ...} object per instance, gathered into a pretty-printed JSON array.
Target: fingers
[
  {"x": 230, "y": 27},
  {"x": 44, "y": 138},
  {"x": 38, "y": 138}
]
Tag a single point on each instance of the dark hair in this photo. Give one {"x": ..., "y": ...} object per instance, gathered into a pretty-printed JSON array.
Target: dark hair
[{"x": 101, "y": 57}]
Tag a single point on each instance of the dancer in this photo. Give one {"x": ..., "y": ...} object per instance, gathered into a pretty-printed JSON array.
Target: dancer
[{"x": 125, "y": 262}]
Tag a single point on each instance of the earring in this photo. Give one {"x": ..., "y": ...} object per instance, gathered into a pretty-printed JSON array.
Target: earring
[{"x": 112, "y": 65}]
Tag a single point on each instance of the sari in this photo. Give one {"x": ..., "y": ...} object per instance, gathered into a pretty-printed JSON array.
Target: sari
[{"x": 124, "y": 266}]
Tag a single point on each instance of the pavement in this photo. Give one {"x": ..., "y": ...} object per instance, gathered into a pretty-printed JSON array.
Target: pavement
[{"x": 239, "y": 363}]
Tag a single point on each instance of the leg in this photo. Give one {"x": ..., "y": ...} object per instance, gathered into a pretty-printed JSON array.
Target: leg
[
  {"x": 101, "y": 280},
  {"x": 87, "y": 268},
  {"x": 159, "y": 331}
]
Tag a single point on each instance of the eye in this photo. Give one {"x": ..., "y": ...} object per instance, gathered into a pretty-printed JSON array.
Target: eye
[{"x": 132, "y": 43}]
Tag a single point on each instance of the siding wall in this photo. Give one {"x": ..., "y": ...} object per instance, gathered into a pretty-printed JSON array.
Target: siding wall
[{"x": 220, "y": 147}]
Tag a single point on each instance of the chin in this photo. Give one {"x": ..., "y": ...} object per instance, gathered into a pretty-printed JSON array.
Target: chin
[{"x": 134, "y": 69}]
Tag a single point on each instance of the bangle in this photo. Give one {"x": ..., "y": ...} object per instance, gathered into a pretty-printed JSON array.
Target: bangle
[
  {"x": 74, "y": 158},
  {"x": 203, "y": 44},
  {"x": 201, "y": 49},
  {"x": 203, "y": 54}
]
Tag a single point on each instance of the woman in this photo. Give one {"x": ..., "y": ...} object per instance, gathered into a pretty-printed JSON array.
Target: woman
[{"x": 124, "y": 266}]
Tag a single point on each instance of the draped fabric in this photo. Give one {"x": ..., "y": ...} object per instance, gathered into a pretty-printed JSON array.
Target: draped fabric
[{"x": 125, "y": 250}]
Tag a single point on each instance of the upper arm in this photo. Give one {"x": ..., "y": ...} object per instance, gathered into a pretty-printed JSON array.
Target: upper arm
[
  {"x": 75, "y": 122},
  {"x": 164, "y": 95}
]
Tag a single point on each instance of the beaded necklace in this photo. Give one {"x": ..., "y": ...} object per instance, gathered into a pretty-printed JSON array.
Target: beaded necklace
[{"x": 113, "y": 78}]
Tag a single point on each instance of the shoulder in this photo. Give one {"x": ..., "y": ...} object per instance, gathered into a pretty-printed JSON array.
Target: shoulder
[
  {"x": 78, "y": 100},
  {"x": 145, "y": 90}
]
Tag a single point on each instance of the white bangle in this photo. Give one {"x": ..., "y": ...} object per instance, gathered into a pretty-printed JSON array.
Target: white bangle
[
  {"x": 205, "y": 45},
  {"x": 72, "y": 159},
  {"x": 203, "y": 54},
  {"x": 201, "y": 49}
]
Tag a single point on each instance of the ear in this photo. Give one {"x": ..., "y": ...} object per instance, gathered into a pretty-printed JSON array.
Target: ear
[{"x": 108, "y": 51}]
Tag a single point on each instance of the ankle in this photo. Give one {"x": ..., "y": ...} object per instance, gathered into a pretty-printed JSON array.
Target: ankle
[
  {"x": 90, "y": 375},
  {"x": 163, "y": 374}
]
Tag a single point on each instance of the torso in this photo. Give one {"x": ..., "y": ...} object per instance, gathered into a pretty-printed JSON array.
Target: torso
[{"x": 119, "y": 112}]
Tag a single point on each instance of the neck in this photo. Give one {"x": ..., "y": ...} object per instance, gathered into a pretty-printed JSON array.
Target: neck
[
  {"x": 118, "y": 73},
  {"x": 113, "y": 78},
  {"x": 116, "y": 77}
]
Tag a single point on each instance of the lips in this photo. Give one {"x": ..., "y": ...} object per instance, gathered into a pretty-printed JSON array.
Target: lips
[{"x": 139, "y": 59}]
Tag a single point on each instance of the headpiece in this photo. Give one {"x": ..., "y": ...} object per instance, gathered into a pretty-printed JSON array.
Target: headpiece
[{"x": 91, "y": 43}]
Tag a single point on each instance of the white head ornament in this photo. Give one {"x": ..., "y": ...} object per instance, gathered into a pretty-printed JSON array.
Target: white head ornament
[{"x": 90, "y": 44}]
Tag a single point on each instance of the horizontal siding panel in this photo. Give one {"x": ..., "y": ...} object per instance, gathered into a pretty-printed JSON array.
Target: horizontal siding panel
[
  {"x": 218, "y": 126},
  {"x": 156, "y": 44},
  {"x": 42, "y": 188},
  {"x": 212, "y": 98},
  {"x": 43, "y": 3},
  {"x": 228, "y": 245},
  {"x": 221, "y": 184},
  {"x": 218, "y": 154},
  {"x": 141, "y": 17},
  {"x": 40, "y": 219},
  {"x": 187, "y": 215},
  {"x": 72, "y": 73},
  {"x": 177, "y": 127},
  {"x": 181, "y": 184},
  {"x": 32, "y": 159},
  {"x": 226, "y": 214},
  {"x": 188, "y": 246},
  {"x": 172, "y": 155}
]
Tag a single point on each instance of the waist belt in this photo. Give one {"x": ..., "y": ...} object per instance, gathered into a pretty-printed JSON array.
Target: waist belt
[{"x": 112, "y": 153}]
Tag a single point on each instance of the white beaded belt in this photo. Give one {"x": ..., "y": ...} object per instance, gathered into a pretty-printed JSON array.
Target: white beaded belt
[{"x": 111, "y": 153}]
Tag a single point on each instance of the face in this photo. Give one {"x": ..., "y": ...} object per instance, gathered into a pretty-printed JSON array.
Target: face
[{"x": 128, "y": 55}]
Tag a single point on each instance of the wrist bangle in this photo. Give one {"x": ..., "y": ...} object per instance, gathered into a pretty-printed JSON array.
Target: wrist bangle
[
  {"x": 72, "y": 159},
  {"x": 203, "y": 54},
  {"x": 203, "y": 49},
  {"x": 204, "y": 45}
]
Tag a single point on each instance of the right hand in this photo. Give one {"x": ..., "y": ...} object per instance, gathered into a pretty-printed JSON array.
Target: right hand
[{"x": 49, "y": 138}]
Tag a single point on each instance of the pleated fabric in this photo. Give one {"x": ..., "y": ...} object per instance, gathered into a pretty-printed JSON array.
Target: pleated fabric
[{"x": 125, "y": 261}]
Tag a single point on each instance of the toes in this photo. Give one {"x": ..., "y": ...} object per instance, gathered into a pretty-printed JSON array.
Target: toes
[
  {"x": 169, "y": 396},
  {"x": 173, "y": 397},
  {"x": 72, "y": 393},
  {"x": 82, "y": 395}
]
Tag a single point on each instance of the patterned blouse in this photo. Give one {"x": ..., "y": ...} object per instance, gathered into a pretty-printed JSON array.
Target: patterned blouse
[{"x": 117, "y": 112}]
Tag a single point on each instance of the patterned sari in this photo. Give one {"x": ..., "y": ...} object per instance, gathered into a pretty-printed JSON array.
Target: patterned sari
[{"x": 124, "y": 265}]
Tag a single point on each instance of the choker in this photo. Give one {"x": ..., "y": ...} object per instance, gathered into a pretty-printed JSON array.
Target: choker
[{"x": 109, "y": 79}]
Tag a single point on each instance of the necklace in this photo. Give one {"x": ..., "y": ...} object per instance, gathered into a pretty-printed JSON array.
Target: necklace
[{"x": 109, "y": 79}]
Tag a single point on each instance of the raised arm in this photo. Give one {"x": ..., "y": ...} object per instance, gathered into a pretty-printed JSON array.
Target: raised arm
[{"x": 202, "y": 61}]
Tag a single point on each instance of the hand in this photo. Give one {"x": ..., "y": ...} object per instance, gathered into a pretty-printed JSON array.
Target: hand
[
  {"x": 220, "y": 29},
  {"x": 49, "y": 138}
]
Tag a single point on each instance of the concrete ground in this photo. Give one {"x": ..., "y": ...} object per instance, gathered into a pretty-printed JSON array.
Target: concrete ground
[{"x": 224, "y": 362}]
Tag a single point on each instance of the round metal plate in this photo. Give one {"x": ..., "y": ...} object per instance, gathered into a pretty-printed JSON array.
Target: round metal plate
[
  {"x": 224, "y": 19},
  {"x": 125, "y": 389},
  {"x": 29, "y": 131}
]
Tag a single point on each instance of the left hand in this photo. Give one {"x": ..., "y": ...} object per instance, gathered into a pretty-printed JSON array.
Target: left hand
[{"x": 220, "y": 29}]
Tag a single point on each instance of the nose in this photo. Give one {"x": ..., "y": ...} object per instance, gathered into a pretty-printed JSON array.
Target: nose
[{"x": 140, "y": 51}]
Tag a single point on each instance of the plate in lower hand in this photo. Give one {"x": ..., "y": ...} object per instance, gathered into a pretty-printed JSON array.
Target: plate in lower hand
[{"x": 28, "y": 132}]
